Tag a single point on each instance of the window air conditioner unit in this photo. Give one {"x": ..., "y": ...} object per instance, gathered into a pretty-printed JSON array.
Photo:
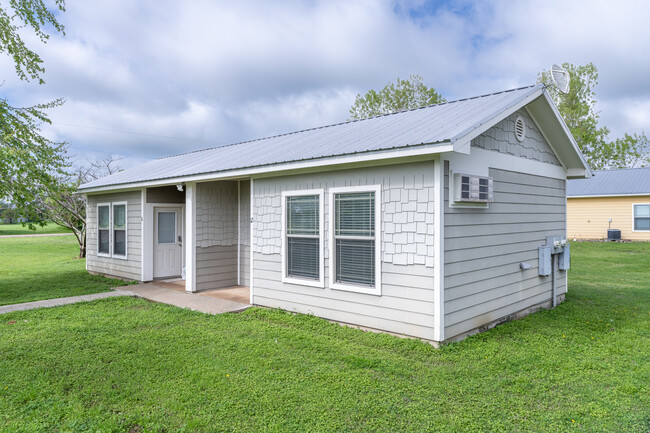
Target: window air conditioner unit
[{"x": 472, "y": 189}]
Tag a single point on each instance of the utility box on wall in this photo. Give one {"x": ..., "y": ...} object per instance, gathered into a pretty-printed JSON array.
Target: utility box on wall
[
  {"x": 545, "y": 261},
  {"x": 555, "y": 245}
]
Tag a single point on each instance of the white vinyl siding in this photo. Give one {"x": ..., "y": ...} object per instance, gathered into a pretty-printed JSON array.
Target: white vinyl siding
[
  {"x": 302, "y": 241},
  {"x": 641, "y": 217}
]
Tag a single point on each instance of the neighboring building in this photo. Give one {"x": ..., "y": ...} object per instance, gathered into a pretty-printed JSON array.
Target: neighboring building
[
  {"x": 612, "y": 199},
  {"x": 418, "y": 223}
]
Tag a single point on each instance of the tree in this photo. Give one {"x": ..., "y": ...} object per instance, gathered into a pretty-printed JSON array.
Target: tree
[
  {"x": 404, "y": 95},
  {"x": 10, "y": 215},
  {"x": 27, "y": 158},
  {"x": 63, "y": 205},
  {"x": 577, "y": 109}
]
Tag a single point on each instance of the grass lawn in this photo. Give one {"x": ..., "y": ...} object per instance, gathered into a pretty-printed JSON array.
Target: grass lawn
[
  {"x": 18, "y": 229},
  {"x": 127, "y": 365},
  {"x": 35, "y": 268}
]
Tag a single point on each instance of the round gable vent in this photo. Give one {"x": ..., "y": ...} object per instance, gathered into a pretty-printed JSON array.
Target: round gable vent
[{"x": 520, "y": 128}]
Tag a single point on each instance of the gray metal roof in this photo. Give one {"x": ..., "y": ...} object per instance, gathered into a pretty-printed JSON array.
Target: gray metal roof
[
  {"x": 626, "y": 181},
  {"x": 441, "y": 123}
]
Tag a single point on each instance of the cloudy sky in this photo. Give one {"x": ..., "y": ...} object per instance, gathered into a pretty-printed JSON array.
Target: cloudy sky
[{"x": 144, "y": 79}]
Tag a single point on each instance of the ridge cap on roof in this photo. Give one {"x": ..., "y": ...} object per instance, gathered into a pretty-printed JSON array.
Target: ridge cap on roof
[{"x": 351, "y": 121}]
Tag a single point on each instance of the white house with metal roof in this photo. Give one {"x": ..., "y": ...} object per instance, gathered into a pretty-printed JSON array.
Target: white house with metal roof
[
  {"x": 425, "y": 222},
  {"x": 612, "y": 199}
]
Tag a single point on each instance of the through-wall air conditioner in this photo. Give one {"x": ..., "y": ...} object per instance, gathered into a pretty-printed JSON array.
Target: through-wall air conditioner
[{"x": 472, "y": 189}]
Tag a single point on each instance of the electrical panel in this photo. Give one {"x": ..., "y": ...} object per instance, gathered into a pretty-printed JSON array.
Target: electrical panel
[
  {"x": 545, "y": 261},
  {"x": 473, "y": 189},
  {"x": 564, "y": 258},
  {"x": 555, "y": 245}
]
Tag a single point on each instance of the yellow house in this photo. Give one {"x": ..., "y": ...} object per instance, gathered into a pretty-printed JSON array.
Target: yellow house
[{"x": 612, "y": 199}]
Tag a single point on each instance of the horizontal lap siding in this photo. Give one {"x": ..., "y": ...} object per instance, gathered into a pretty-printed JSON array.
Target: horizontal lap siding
[
  {"x": 216, "y": 267},
  {"x": 403, "y": 307},
  {"x": 483, "y": 249},
  {"x": 131, "y": 267},
  {"x": 406, "y": 303}
]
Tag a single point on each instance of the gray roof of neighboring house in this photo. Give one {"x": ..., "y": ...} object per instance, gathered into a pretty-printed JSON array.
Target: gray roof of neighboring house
[
  {"x": 441, "y": 123},
  {"x": 626, "y": 181}
]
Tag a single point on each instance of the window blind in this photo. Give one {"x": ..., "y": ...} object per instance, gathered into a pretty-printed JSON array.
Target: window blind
[
  {"x": 303, "y": 242},
  {"x": 354, "y": 233}
]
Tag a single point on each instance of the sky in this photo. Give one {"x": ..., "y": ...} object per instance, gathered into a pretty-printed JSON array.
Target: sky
[{"x": 145, "y": 79}]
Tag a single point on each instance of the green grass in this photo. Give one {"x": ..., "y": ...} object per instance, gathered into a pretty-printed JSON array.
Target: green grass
[
  {"x": 18, "y": 229},
  {"x": 124, "y": 364},
  {"x": 35, "y": 268}
]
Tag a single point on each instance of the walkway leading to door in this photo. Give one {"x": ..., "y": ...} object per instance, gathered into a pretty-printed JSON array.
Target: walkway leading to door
[{"x": 202, "y": 302}]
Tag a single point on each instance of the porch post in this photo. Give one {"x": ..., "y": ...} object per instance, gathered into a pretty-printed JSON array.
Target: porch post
[{"x": 190, "y": 237}]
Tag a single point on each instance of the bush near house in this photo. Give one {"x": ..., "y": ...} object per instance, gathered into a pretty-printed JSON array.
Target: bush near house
[{"x": 130, "y": 365}]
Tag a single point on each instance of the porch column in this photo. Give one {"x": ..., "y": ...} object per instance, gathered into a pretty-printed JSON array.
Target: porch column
[{"x": 190, "y": 237}]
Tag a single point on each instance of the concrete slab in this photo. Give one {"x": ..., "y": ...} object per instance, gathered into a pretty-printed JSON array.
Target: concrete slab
[
  {"x": 63, "y": 301},
  {"x": 204, "y": 304}
]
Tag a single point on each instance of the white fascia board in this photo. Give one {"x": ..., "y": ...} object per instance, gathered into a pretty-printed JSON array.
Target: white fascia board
[
  {"x": 469, "y": 135},
  {"x": 647, "y": 194},
  {"x": 425, "y": 149},
  {"x": 566, "y": 131}
]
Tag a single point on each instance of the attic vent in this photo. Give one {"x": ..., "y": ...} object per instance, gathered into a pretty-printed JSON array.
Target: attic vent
[{"x": 520, "y": 128}]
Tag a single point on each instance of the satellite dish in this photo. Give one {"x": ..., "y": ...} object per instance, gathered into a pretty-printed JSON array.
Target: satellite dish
[{"x": 560, "y": 78}]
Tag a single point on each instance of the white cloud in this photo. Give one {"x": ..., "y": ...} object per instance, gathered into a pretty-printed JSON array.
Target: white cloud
[{"x": 221, "y": 72}]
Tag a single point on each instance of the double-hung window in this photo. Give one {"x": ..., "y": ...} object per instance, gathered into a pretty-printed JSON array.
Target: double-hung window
[
  {"x": 642, "y": 217},
  {"x": 119, "y": 229},
  {"x": 111, "y": 230},
  {"x": 302, "y": 246},
  {"x": 104, "y": 229},
  {"x": 355, "y": 239}
]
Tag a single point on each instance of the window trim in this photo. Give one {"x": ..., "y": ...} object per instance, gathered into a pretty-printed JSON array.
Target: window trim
[
  {"x": 110, "y": 235},
  {"x": 376, "y": 290},
  {"x": 111, "y": 230},
  {"x": 126, "y": 230},
  {"x": 634, "y": 205},
  {"x": 320, "y": 283}
]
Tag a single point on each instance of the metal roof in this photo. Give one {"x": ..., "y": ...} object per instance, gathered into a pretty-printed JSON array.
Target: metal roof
[
  {"x": 441, "y": 123},
  {"x": 626, "y": 181}
]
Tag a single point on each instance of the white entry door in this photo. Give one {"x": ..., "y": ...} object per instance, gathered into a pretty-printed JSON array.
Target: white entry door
[{"x": 168, "y": 242}]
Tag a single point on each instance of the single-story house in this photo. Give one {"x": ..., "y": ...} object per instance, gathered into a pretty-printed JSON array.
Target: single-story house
[
  {"x": 425, "y": 222},
  {"x": 612, "y": 199}
]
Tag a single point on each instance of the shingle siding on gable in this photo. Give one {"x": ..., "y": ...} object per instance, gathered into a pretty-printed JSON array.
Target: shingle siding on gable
[
  {"x": 501, "y": 138},
  {"x": 216, "y": 214}
]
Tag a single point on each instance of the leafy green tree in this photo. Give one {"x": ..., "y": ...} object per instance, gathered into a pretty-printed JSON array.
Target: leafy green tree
[
  {"x": 28, "y": 161},
  {"x": 577, "y": 107},
  {"x": 404, "y": 95},
  {"x": 10, "y": 215}
]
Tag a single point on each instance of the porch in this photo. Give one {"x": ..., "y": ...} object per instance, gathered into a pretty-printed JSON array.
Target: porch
[{"x": 215, "y": 301}]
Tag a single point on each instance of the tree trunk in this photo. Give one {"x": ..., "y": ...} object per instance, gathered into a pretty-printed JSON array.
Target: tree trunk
[{"x": 82, "y": 246}]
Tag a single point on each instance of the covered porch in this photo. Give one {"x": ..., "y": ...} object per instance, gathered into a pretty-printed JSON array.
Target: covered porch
[{"x": 197, "y": 238}]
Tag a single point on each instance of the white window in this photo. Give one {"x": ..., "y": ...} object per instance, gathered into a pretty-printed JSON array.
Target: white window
[
  {"x": 642, "y": 217},
  {"x": 119, "y": 229},
  {"x": 111, "y": 230},
  {"x": 355, "y": 248},
  {"x": 302, "y": 238},
  {"x": 104, "y": 229}
]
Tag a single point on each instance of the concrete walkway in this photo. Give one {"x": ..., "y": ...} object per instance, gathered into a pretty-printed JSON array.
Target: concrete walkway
[
  {"x": 204, "y": 304},
  {"x": 62, "y": 301}
]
